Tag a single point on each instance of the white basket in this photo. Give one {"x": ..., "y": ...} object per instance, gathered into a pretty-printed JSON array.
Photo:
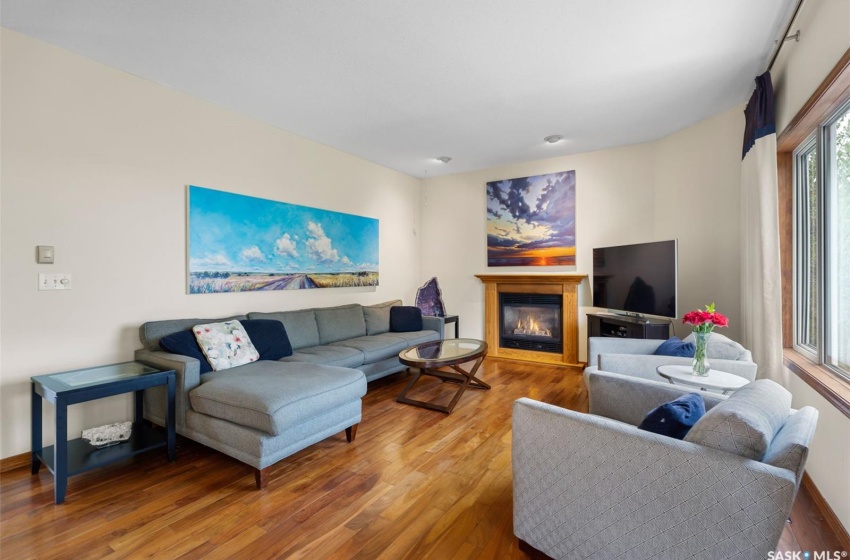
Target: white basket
[{"x": 110, "y": 434}]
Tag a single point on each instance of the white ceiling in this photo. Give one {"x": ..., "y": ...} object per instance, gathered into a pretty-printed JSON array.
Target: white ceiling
[{"x": 400, "y": 82}]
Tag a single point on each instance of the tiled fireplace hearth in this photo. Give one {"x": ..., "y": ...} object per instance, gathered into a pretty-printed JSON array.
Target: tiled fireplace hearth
[{"x": 532, "y": 317}]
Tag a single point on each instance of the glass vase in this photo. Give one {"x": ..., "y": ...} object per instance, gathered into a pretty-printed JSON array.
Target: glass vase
[{"x": 700, "y": 365}]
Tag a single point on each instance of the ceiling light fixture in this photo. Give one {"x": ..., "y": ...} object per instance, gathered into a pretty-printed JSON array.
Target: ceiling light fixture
[
  {"x": 553, "y": 139},
  {"x": 444, "y": 159}
]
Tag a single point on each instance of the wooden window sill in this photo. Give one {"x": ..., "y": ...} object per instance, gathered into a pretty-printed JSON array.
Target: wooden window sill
[{"x": 829, "y": 385}]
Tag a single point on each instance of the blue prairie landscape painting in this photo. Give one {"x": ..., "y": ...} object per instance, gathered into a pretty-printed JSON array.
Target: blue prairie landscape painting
[
  {"x": 241, "y": 243},
  {"x": 531, "y": 221}
]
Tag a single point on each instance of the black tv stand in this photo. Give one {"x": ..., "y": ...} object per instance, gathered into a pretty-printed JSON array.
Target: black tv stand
[
  {"x": 623, "y": 326},
  {"x": 625, "y": 314}
]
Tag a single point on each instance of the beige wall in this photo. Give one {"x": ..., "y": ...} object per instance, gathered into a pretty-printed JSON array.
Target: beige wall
[
  {"x": 95, "y": 162},
  {"x": 614, "y": 201},
  {"x": 829, "y": 457},
  {"x": 684, "y": 186},
  {"x": 801, "y": 66},
  {"x": 799, "y": 70},
  {"x": 697, "y": 199}
]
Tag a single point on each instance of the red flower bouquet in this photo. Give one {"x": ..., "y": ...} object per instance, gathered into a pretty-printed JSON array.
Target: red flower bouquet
[{"x": 705, "y": 321}]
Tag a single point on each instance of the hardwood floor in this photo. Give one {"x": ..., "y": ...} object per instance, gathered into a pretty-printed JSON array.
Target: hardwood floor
[{"x": 415, "y": 484}]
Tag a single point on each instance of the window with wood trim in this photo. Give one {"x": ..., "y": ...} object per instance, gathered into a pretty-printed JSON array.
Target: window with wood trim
[
  {"x": 822, "y": 244},
  {"x": 814, "y": 328}
]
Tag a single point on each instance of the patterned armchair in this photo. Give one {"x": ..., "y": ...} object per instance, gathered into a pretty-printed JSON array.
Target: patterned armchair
[
  {"x": 635, "y": 357},
  {"x": 593, "y": 486}
]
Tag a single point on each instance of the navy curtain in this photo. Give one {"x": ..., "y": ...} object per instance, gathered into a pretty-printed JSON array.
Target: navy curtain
[{"x": 760, "y": 113}]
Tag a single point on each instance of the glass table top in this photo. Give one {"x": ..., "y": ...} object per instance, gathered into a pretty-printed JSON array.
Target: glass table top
[
  {"x": 88, "y": 377},
  {"x": 449, "y": 349}
]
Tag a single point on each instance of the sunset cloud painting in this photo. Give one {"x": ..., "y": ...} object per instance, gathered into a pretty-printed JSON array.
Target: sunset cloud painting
[
  {"x": 531, "y": 221},
  {"x": 241, "y": 243}
]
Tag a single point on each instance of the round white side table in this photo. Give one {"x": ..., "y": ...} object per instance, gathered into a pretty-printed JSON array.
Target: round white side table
[{"x": 715, "y": 380}]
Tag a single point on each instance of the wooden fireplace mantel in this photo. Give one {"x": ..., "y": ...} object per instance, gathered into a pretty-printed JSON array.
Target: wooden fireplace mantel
[{"x": 564, "y": 284}]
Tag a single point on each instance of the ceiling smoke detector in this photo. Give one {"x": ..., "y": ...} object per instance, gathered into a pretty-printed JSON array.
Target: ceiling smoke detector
[
  {"x": 553, "y": 139},
  {"x": 444, "y": 159}
]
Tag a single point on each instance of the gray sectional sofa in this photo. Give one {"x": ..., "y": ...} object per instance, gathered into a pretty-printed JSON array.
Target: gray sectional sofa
[{"x": 264, "y": 411}]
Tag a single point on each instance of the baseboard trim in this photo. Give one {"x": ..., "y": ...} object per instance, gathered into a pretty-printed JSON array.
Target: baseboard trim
[
  {"x": 829, "y": 516},
  {"x": 15, "y": 462}
]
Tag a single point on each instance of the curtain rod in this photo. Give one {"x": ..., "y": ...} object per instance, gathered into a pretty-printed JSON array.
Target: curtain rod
[{"x": 785, "y": 37}]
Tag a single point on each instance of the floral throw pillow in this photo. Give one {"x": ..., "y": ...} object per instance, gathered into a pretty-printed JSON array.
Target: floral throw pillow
[{"x": 226, "y": 344}]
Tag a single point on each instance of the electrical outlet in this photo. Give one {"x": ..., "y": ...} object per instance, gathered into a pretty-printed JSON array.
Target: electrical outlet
[{"x": 61, "y": 281}]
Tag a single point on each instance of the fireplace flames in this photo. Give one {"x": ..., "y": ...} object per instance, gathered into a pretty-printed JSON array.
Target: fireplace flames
[{"x": 530, "y": 326}]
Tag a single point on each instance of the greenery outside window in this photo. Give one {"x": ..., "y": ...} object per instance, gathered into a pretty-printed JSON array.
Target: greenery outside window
[
  {"x": 822, "y": 244},
  {"x": 808, "y": 278}
]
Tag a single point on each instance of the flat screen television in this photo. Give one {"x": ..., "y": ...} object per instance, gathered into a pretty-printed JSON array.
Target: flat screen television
[{"x": 637, "y": 279}]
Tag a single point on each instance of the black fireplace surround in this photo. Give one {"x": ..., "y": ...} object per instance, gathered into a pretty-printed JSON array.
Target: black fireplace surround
[{"x": 530, "y": 322}]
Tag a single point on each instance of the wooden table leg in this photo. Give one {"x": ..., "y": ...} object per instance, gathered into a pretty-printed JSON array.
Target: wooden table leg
[
  {"x": 474, "y": 382},
  {"x": 403, "y": 396},
  {"x": 463, "y": 378}
]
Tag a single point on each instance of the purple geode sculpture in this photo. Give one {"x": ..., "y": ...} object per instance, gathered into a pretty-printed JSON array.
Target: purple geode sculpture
[{"x": 429, "y": 299}]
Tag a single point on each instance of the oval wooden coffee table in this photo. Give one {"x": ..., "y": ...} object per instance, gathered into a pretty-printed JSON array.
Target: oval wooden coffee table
[{"x": 433, "y": 358}]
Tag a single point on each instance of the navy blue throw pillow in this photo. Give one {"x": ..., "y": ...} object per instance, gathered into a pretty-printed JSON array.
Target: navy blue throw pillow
[
  {"x": 405, "y": 318},
  {"x": 269, "y": 338},
  {"x": 676, "y": 347},
  {"x": 675, "y": 418},
  {"x": 185, "y": 344}
]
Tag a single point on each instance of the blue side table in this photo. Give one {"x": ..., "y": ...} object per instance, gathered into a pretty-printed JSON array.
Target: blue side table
[
  {"x": 447, "y": 319},
  {"x": 456, "y": 320},
  {"x": 68, "y": 458}
]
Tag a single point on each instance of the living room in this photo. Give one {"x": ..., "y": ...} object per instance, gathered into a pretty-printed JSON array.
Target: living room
[{"x": 96, "y": 160}]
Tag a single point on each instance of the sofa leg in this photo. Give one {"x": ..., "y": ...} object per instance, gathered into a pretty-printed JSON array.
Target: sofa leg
[
  {"x": 351, "y": 432},
  {"x": 530, "y": 551},
  {"x": 261, "y": 477}
]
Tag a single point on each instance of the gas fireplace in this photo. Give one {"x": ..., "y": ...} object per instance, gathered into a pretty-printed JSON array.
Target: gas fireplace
[
  {"x": 562, "y": 346},
  {"x": 530, "y": 322}
]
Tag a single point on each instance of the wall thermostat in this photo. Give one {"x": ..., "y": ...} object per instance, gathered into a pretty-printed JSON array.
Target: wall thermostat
[{"x": 44, "y": 254}]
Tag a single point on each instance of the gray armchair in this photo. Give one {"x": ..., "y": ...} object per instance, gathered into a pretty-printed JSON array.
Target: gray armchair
[
  {"x": 635, "y": 357},
  {"x": 593, "y": 486}
]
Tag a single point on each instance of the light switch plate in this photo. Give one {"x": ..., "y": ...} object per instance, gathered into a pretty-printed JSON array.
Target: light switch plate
[{"x": 61, "y": 281}]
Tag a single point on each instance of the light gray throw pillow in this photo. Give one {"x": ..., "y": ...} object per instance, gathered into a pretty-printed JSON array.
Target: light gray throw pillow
[
  {"x": 377, "y": 316},
  {"x": 746, "y": 422}
]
